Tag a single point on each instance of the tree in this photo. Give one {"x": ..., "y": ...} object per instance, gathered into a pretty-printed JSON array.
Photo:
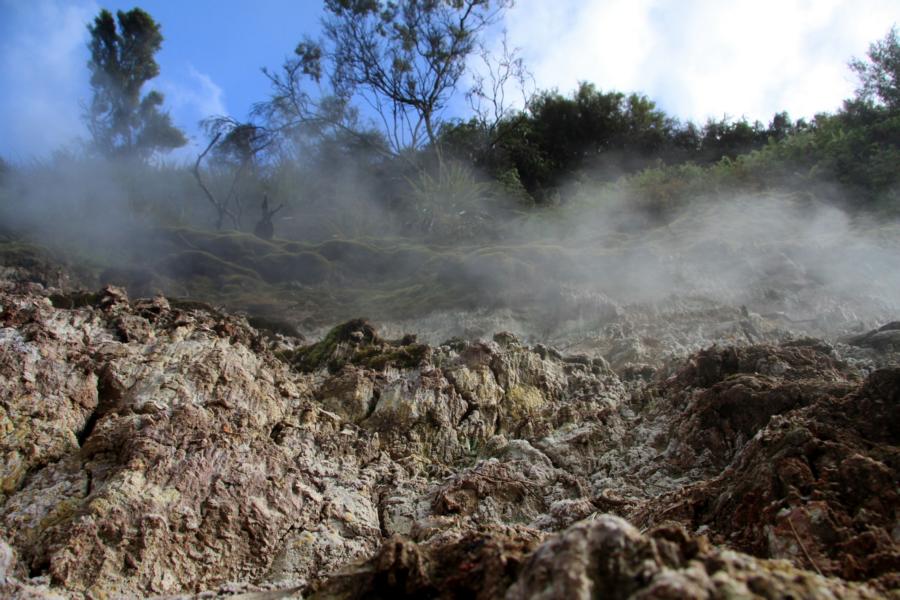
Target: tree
[
  {"x": 605, "y": 131},
  {"x": 501, "y": 75},
  {"x": 880, "y": 76},
  {"x": 405, "y": 58},
  {"x": 236, "y": 148},
  {"x": 121, "y": 122},
  {"x": 402, "y": 58},
  {"x": 727, "y": 138},
  {"x": 292, "y": 119}
]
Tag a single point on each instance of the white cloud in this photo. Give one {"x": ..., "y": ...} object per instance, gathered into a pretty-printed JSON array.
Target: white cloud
[
  {"x": 190, "y": 96},
  {"x": 43, "y": 74},
  {"x": 703, "y": 58},
  {"x": 194, "y": 95}
]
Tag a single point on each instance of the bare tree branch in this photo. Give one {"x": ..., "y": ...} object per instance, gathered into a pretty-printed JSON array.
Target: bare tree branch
[{"x": 221, "y": 208}]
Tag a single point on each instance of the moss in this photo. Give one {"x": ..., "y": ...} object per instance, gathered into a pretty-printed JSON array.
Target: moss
[
  {"x": 402, "y": 357},
  {"x": 233, "y": 246},
  {"x": 349, "y": 252},
  {"x": 406, "y": 340},
  {"x": 310, "y": 358},
  {"x": 365, "y": 355},
  {"x": 410, "y": 301},
  {"x": 522, "y": 401},
  {"x": 356, "y": 342},
  {"x": 194, "y": 263},
  {"x": 14, "y": 253},
  {"x": 239, "y": 283},
  {"x": 236, "y": 252},
  {"x": 456, "y": 344},
  {"x": 358, "y": 260},
  {"x": 313, "y": 357},
  {"x": 47, "y": 264},
  {"x": 10, "y": 484},
  {"x": 293, "y": 247},
  {"x": 302, "y": 267},
  {"x": 61, "y": 513}
]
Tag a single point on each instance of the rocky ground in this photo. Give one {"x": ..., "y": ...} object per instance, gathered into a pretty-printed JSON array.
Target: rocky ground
[{"x": 155, "y": 448}]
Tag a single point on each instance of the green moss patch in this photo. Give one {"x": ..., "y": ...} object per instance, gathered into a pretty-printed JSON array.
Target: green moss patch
[
  {"x": 302, "y": 267},
  {"x": 401, "y": 357},
  {"x": 356, "y": 342},
  {"x": 195, "y": 263}
]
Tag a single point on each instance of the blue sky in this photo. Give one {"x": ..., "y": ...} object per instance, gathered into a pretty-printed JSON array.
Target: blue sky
[
  {"x": 696, "y": 58},
  {"x": 210, "y": 61}
]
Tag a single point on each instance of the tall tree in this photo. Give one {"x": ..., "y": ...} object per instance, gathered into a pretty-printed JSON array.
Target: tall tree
[
  {"x": 120, "y": 120},
  {"x": 401, "y": 58},
  {"x": 880, "y": 75}
]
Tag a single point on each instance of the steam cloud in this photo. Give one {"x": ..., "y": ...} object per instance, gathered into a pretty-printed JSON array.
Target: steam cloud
[{"x": 569, "y": 268}]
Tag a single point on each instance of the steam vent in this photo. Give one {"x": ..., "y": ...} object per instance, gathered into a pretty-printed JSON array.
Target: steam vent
[{"x": 429, "y": 309}]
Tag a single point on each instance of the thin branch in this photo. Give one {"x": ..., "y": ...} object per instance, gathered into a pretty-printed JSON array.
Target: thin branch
[{"x": 221, "y": 209}]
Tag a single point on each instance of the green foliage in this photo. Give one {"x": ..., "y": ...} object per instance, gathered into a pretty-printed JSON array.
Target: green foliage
[
  {"x": 399, "y": 356},
  {"x": 449, "y": 202},
  {"x": 730, "y": 139},
  {"x": 850, "y": 156},
  {"x": 241, "y": 143},
  {"x": 659, "y": 191},
  {"x": 356, "y": 342},
  {"x": 598, "y": 130},
  {"x": 121, "y": 122},
  {"x": 311, "y": 358},
  {"x": 880, "y": 76},
  {"x": 405, "y": 57},
  {"x": 859, "y": 148},
  {"x": 402, "y": 60},
  {"x": 604, "y": 133},
  {"x": 512, "y": 153}
]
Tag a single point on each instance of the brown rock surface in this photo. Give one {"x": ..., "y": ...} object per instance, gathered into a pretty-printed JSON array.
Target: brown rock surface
[
  {"x": 160, "y": 448},
  {"x": 600, "y": 558},
  {"x": 154, "y": 450}
]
